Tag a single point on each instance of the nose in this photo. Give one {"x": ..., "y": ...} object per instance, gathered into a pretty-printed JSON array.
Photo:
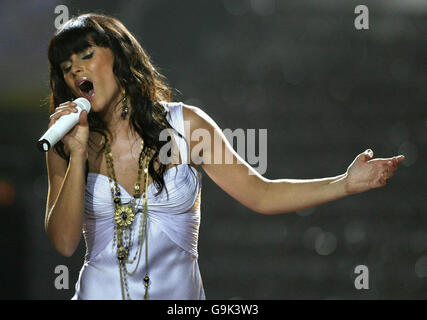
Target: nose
[{"x": 77, "y": 68}]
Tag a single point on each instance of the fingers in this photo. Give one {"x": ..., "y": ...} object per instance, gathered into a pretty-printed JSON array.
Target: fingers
[
  {"x": 67, "y": 106},
  {"x": 384, "y": 174},
  {"x": 387, "y": 173},
  {"x": 399, "y": 158},
  {"x": 393, "y": 162},
  {"x": 63, "y": 109},
  {"x": 384, "y": 163},
  {"x": 83, "y": 118},
  {"x": 369, "y": 154},
  {"x": 382, "y": 168},
  {"x": 388, "y": 169},
  {"x": 382, "y": 182}
]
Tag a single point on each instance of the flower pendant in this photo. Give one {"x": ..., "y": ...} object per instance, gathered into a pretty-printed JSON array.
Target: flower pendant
[{"x": 124, "y": 216}]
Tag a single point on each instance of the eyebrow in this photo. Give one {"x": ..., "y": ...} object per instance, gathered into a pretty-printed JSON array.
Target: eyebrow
[{"x": 80, "y": 52}]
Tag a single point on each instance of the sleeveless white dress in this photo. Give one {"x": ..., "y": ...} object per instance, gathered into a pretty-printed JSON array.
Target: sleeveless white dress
[{"x": 173, "y": 230}]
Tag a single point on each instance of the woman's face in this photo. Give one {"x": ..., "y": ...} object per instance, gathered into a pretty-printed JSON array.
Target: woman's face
[{"x": 95, "y": 65}]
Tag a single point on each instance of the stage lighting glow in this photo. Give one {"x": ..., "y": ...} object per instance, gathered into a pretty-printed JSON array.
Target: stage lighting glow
[
  {"x": 410, "y": 151},
  {"x": 7, "y": 193},
  {"x": 354, "y": 232},
  {"x": 325, "y": 243},
  {"x": 310, "y": 236}
]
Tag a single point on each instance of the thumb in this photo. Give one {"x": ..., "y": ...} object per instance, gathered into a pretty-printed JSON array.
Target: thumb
[
  {"x": 83, "y": 118},
  {"x": 368, "y": 154}
]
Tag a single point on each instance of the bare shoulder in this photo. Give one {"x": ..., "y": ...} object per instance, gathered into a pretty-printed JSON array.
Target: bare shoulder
[
  {"x": 198, "y": 118},
  {"x": 200, "y": 131},
  {"x": 191, "y": 113}
]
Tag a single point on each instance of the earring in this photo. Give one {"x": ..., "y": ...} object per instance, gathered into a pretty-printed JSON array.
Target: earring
[{"x": 125, "y": 109}]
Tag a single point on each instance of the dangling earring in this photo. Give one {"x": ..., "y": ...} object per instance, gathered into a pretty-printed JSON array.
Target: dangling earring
[{"x": 125, "y": 109}]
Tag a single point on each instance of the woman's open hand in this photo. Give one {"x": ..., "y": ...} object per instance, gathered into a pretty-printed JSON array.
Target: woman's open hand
[{"x": 365, "y": 173}]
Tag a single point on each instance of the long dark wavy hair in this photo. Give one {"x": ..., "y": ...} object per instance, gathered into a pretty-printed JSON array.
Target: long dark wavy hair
[{"x": 144, "y": 85}]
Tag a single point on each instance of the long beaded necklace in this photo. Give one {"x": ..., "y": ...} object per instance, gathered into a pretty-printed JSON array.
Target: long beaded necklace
[{"x": 124, "y": 216}]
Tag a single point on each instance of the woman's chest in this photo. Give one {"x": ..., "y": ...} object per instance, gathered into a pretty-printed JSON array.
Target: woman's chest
[{"x": 125, "y": 165}]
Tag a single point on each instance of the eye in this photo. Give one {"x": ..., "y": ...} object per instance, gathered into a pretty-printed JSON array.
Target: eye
[
  {"x": 66, "y": 70},
  {"x": 88, "y": 56}
]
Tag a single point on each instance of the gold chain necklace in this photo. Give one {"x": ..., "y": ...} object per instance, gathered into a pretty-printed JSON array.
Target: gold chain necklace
[{"x": 124, "y": 216}]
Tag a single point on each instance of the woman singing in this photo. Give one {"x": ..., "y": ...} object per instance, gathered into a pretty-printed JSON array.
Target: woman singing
[{"x": 138, "y": 206}]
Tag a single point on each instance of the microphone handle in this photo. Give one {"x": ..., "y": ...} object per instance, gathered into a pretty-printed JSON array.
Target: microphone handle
[{"x": 58, "y": 130}]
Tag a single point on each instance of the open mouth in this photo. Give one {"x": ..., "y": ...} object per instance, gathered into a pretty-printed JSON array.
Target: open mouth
[{"x": 86, "y": 90}]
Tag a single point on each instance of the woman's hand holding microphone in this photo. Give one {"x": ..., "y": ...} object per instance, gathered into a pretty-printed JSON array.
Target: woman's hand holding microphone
[{"x": 75, "y": 140}]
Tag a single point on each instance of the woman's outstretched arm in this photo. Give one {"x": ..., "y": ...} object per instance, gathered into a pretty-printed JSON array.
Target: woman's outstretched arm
[
  {"x": 285, "y": 195},
  {"x": 210, "y": 148}
]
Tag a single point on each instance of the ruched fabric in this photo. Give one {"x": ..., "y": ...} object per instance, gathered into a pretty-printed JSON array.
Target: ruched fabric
[{"x": 173, "y": 230}]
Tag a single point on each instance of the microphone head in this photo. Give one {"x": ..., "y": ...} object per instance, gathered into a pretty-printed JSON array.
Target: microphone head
[
  {"x": 83, "y": 103},
  {"x": 43, "y": 145}
]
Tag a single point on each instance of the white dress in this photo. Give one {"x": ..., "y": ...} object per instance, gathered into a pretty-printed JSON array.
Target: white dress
[{"x": 173, "y": 230}]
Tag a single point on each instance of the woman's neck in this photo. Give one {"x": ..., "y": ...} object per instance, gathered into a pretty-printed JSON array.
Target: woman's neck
[{"x": 112, "y": 117}]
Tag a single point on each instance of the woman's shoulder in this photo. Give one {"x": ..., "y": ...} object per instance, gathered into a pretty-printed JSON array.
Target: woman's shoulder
[{"x": 196, "y": 116}]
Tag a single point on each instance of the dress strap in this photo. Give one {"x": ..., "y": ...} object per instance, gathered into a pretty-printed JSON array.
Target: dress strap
[{"x": 176, "y": 120}]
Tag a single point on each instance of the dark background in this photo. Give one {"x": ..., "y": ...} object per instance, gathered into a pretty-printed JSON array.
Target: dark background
[{"x": 324, "y": 90}]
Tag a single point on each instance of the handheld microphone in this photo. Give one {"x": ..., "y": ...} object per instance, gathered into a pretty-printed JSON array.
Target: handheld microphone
[{"x": 61, "y": 127}]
